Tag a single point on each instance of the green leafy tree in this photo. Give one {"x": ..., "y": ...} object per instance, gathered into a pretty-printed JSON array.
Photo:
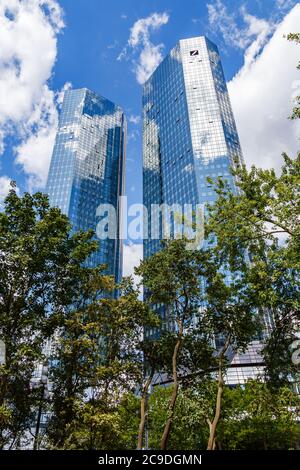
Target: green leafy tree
[
  {"x": 75, "y": 358},
  {"x": 267, "y": 205},
  {"x": 233, "y": 324},
  {"x": 258, "y": 233},
  {"x": 254, "y": 417},
  {"x": 39, "y": 262},
  {"x": 172, "y": 277},
  {"x": 274, "y": 289},
  {"x": 260, "y": 418},
  {"x": 129, "y": 415},
  {"x": 154, "y": 355},
  {"x": 98, "y": 361},
  {"x": 189, "y": 431},
  {"x": 258, "y": 230}
]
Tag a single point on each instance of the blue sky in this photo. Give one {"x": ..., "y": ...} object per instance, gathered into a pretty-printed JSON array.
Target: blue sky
[{"x": 111, "y": 46}]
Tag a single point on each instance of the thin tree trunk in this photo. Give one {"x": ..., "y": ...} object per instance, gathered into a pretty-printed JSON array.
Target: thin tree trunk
[
  {"x": 144, "y": 411},
  {"x": 213, "y": 425},
  {"x": 169, "y": 422},
  {"x": 38, "y": 421}
]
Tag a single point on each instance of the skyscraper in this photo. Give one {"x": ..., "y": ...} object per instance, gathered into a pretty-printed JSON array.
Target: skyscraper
[
  {"x": 189, "y": 133},
  {"x": 87, "y": 167}
]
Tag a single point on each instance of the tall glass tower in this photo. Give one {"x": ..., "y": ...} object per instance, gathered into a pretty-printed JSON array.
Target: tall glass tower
[
  {"x": 87, "y": 167},
  {"x": 189, "y": 133}
]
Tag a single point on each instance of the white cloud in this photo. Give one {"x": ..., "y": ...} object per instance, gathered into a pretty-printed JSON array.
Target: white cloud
[
  {"x": 2, "y": 135},
  {"x": 113, "y": 45},
  {"x": 150, "y": 58},
  {"x": 134, "y": 119},
  {"x": 28, "y": 47},
  {"x": 221, "y": 21},
  {"x": 150, "y": 55},
  {"x": 34, "y": 152},
  {"x": 258, "y": 28},
  {"x": 262, "y": 93},
  {"x": 284, "y": 5},
  {"x": 255, "y": 31},
  {"x": 140, "y": 31},
  {"x": 61, "y": 93},
  {"x": 133, "y": 135},
  {"x": 4, "y": 188},
  {"x": 132, "y": 256}
]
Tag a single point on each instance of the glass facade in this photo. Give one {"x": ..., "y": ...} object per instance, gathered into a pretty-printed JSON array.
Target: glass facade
[
  {"x": 189, "y": 132},
  {"x": 87, "y": 167}
]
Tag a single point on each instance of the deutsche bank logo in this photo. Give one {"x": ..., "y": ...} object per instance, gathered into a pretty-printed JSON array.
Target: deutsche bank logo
[{"x": 194, "y": 52}]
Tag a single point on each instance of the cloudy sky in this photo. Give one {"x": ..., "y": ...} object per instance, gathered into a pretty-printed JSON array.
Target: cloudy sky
[{"x": 111, "y": 47}]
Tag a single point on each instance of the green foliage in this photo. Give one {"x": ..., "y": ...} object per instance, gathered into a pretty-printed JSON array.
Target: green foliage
[
  {"x": 200, "y": 305},
  {"x": 267, "y": 205},
  {"x": 129, "y": 418},
  {"x": 228, "y": 313},
  {"x": 100, "y": 357},
  {"x": 93, "y": 427},
  {"x": 260, "y": 418},
  {"x": 97, "y": 362},
  {"x": 174, "y": 277},
  {"x": 39, "y": 265},
  {"x": 189, "y": 431},
  {"x": 261, "y": 225},
  {"x": 173, "y": 274},
  {"x": 254, "y": 417}
]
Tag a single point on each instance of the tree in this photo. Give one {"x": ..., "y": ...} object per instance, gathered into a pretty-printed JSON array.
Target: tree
[
  {"x": 76, "y": 355},
  {"x": 154, "y": 356},
  {"x": 39, "y": 263},
  {"x": 230, "y": 319},
  {"x": 97, "y": 363},
  {"x": 260, "y": 418},
  {"x": 129, "y": 415},
  {"x": 258, "y": 230},
  {"x": 189, "y": 431},
  {"x": 274, "y": 289},
  {"x": 254, "y": 417},
  {"x": 266, "y": 205},
  {"x": 172, "y": 277}
]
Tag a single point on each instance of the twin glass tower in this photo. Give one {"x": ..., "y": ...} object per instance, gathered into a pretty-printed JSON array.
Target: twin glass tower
[{"x": 189, "y": 133}]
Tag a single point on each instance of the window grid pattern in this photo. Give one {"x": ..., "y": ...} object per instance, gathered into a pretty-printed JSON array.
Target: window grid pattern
[
  {"x": 189, "y": 132},
  {"x": 87, "y": 167}
]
